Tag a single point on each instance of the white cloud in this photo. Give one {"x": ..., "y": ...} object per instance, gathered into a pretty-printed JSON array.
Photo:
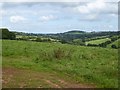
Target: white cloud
[
  {"x": 47, "y": 18},
  {"x": 99, "y": 6},
  {"x": 92, "y": 10},
  {"x": 2, "y": 13},
  {"x": 91, "y": 7},
  {"x": 88, "y": 11},
  {"x": 91, "y": 17},
  {"x": 15, "y": 19}
]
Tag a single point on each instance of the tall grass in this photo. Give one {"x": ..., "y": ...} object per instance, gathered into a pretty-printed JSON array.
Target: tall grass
[{"x": 81, "y": 64}]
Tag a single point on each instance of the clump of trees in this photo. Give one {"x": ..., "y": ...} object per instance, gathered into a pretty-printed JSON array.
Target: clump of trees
[
  {"x": 104, "y": 44},
  {"x": 114, "y": 38},
  {"x": 6, "y": 34},
  {"x": 78, "y": 42},
  {"x": 94, "y": 45},
  {"x": 63, "y": 41},
  {"x": 39, "y": 39}
]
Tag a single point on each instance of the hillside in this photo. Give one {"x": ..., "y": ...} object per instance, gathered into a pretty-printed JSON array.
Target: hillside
[
  {"x": 116, "y": 43},
  {"x": 38, "y": 64},
  {"x": 98, "y": 41},
  {"x": 74, "y": 32},
  {"x": 93, "y": 39},
  {"x": 70, "y": 35}
]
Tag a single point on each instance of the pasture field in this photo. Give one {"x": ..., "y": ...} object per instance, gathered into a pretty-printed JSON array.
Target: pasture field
[
  {"x": 117, "y": 43},
  {"x": 98, "y": 41},
  {"x": 38, "y": 64}
]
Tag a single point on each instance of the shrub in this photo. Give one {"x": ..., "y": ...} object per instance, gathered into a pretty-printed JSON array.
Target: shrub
[
  {"x": 94, "y": 45},
  {"x": 36, "y": 60},
  {"x": 59, "y": 53},
  {"x": 114, "y": 46},
  {"x": 39, "y": 40},
  {"x": 78, "y": 42},
  {"x": 62, "y": 53}
]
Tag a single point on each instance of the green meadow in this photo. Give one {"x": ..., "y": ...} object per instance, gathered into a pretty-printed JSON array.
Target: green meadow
[
  {"x": 44, "y": 64},
  {"x": 98, "y": 41},
  {"x": 117, "y": 43}
]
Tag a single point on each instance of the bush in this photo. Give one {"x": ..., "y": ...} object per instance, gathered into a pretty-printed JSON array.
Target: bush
[
  {"x": 63, "y": 41},
  {"x": 59, "y": 53},
  {"x": 104, "y": 44},
  {"x": 78, "y": 42},
  {"x": 94, "y": 45},
  {"x": 39, "y": 40},
  {"x": 43, "y": 40},
  {"x": 114, "y": 46}
]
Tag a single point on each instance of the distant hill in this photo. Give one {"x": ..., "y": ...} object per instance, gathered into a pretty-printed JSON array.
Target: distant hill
[
  {"x": 66, "y": 37},
  {"x": 74, "y": 32}
]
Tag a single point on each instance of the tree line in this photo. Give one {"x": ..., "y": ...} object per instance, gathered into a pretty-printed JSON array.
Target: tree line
[
  {"x": 104, "y": 44},
  {"x": 6, "y": 34},
  {"x": 69, "y": 37}
]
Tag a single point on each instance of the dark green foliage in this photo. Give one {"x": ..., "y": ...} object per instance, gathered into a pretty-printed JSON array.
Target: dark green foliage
[
  {"x": 114, "y": 38},
  {"x": 78, "y": 42},
  {"x": 63, "y": 41},
  {"x": 0, "y": 34},
  {"x": 69, "y": 36},
  {"x": 114, "y": 46},
  {"x": 12, "y": 36},
  {"x": 94, "y": 45},
  {"x": 36, "y": 60},
  {"x": 39, "y": 39},
  {"x": 46, "y": 40},
  {"x": 6, "y": 34},
  {"x": 75, "y": 32},
  {"x": 104, "y": 44}
]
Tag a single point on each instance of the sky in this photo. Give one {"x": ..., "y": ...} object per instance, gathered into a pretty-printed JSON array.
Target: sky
[{"x": 58, "y": 17}]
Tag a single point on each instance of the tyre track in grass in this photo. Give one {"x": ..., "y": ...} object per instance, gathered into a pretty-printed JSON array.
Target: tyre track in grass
[{"x": 22, "y": 78}]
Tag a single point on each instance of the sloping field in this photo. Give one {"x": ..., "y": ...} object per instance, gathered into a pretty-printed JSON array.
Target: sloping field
[
  {"x": 117, "y": 43},
  {"x": 97, "y": 42},
  {"x": 58, "y": 65}
]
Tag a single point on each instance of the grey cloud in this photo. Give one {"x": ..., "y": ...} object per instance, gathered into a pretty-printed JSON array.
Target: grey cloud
[
  {"x": 30, "y": 4},
  {"x": 67, "y": 7}
]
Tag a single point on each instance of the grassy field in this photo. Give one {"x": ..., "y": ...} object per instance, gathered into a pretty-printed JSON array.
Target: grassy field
[
  {"x": 117, "y": 43},
  {"x": 99, "y": 41},
  {"x": 37, "y": 64}
]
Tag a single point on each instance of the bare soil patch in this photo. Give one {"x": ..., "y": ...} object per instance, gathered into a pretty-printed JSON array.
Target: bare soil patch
[{"x": 20, "y": 78}]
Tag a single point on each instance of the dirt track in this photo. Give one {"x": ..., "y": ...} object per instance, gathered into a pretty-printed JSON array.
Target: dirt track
[{"x": 20, "y": 78}]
